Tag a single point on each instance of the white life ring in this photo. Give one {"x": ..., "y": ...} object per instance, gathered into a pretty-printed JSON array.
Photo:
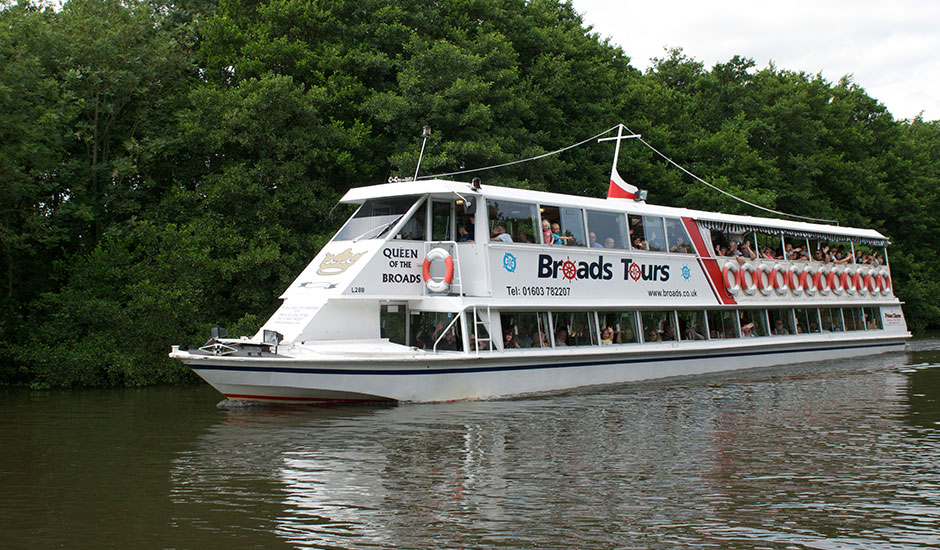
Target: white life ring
[
  {"x": 835, "y": 281},
  {"x": 734, "y": 284},
  {"x": 797, "y": 279},
  {"x": 780, "y": 279},
  {"x": 434, "y": 285},
  {"x": 823, "y": 282},
  {"x": 809, "y": 280},
  {"x": 748, "y": 286},
  {"x": 764, "y": 271},
  {"x": 885, "y": 281}
]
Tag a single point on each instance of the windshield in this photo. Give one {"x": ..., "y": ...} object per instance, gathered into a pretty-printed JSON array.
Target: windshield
[{"x": 374, "y": 218}]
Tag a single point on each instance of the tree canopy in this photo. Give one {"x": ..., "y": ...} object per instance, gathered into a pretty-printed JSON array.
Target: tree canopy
[{"x": 167, "y": 166}]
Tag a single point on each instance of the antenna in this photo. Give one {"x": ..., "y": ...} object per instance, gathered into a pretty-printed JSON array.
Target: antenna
[{"x": 425, "y": 133}]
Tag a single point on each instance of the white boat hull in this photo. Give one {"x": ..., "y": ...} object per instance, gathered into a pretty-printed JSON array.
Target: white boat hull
[{"x": 483, "y": 375}]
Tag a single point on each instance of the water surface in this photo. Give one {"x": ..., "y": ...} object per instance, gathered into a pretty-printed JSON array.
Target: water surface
[{"x": 840, "y": 454}]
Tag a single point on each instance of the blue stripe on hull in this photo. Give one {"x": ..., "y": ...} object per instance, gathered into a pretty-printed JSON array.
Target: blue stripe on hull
[{"x": 560, "y": 363}]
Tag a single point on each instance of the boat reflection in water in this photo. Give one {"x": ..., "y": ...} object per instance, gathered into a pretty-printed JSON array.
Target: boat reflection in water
[{"x": 834, "y": 453}]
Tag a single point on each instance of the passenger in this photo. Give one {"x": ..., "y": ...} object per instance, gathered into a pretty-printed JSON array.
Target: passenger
[
  {"x": 499, "y": 234},
  {"x": 681, "y": 247},
  {"x": 746, "y": 251},
  {"x": 470, "y": 227},
  {"x": 561, "y": 337},
  {"x": 639, "y": 244},
  {"x": 609, "y": 242},
  {"x": 733, "y": 250},
  {"x": 665, "y": 331},
  {"x": 449, "y": 342},
  {"x": 819, "y": 255},
  {"x": 593, "y": 240},
  {"x": 654, "y": 337},
  {"x": 720, "y": 250},
  {"x": 779, "y": 328},
  {"x": 544, "y": 339},
  {"x": 547, "y": 237},
  {"x": 463, "y": 235},
  {"x": 522, "y": 238},
  {"x": 607, "y": 336},
  {"x": 746, "y": 329},
  {"x": 509, "y": 340},
  {"x": 525, "y": 341},
  {"x": 558, "y": 238},
  {"x": 768, "y": 254}
]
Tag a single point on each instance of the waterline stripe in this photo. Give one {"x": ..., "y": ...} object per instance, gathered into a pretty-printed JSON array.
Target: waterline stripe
[{"x": 497, "y": 368}]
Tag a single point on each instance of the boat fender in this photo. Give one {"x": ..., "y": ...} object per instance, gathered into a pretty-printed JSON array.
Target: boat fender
[
  {"x": 836, "y": 283},
  {"x": 822, "y": 281},
  {"x": 797, "y": 280},
  {"x": 809, "y": 280},
  {"x": 765, "y": 273},
  {"x": 748, "y": 278},
  {"x": 733, "y": 285},
  {"x": 779, "y": 279},
  {"x": 885, "y": 282},
  {"x": 438, "y": 286}
]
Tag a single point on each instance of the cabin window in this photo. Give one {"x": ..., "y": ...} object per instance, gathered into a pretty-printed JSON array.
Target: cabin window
[
  {"x": 754, "y": 323},
  {"x": 618, "y": 327},
  {"x": 722, "y": 323},
  {"x": 436, "y": 327},
  {"x": 692, "y": 325},
  {"x": 830, "y": 319},
  {"x": 873, "y": 318},
  {"x": 442, "y": 221},
  {"x": 781, "y": 321},
  {"x": 529, "y": 330},
  {"x": 393, "y": 323},
  {"x": 807, "y": 320},
  {"x": 415, "y": 229},
  {"x": 648, "y": 233},
  {"x": 374, "y": 219},
  {"x": 565, "y": 226},
  {"x": 658, "y": 326},
  {"x": 679, "y": 241},
  {"x": 574, "y": 328},
  {"x": 853, "y": 318},
  {"x": 607, "y": 230},
  {"x": 512, "y": 222}
]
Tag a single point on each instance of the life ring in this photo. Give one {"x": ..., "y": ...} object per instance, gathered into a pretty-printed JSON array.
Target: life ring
[
  {"x": 861, "y": 285},
  {"x": 848, "y": 280},
  {"x": 797, "y": 279},
  {"x": 779, "y": 279},
  {"x": 749, "y": 287},
  {"x": 835, "y": 281},
  {"x": 764, "y": 271},
  {"x": 734, "y": 284},
  {"x": 873, "y": 286},
  {"x": 885, "y": 282},
  {"x": 822, "y": 281},
  {"x": 809, "y": 280},
  {"x": 438, "y": 286}
]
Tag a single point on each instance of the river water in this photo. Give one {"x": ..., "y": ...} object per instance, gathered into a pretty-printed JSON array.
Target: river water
[{"x": 841, "y": 454}]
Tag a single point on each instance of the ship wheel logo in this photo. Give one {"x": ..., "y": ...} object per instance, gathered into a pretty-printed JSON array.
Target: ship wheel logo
[
  {"x": 635, "y": 272},
  {"x": 686, "y": 272},
  {"x": 509, "y": 262},
  {"x": 569, "y": 270}
]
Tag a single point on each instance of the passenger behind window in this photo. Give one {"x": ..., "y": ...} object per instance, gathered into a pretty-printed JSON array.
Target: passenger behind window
[
  {"x": 558, "y": 238},
  {"x": 499, "y": 234},
  {"x": 592, "y": 238}
]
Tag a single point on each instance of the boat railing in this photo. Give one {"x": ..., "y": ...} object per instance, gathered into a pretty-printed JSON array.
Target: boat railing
[{"x": 476, "y": 324}]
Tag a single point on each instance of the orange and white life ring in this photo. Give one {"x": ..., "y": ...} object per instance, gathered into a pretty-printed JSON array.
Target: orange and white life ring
[
  {"x": 732, "y": 284},
  {"x": 748, "y": 278},
  {"x": 871, "y": 282},
  {"x": 779, "y": 279},
  {"x": 848, "y": 280},
  {"x": 822, "y": 281},
  {"x": 764, "y": 279},
  {"x": 809, "y": 280},
  {"x": 836, "y": 284},
  {"x": 797, "y": 279},
  {"x": 435, "y": 285}
]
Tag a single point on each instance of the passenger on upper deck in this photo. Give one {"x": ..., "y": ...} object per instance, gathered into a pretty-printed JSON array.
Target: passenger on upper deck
[
  {"x": 681, "y": 247},
  {"x": 547, "y": 237},
  {"x": 499, "y": 234},
  {"x": 609, "y": 243},
  {"x": 639, "y": 244},
  {"x": 558, "y": 237}
]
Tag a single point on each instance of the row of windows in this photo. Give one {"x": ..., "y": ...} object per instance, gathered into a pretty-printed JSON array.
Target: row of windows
[
  {"x": 569, "y": 226},
  {"x": 588, "y": 328}
]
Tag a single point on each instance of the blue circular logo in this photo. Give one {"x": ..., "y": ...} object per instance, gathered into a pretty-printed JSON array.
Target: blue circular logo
[
  {"x": 509, "y": 262},
  {"x": 686, "y": 272}
]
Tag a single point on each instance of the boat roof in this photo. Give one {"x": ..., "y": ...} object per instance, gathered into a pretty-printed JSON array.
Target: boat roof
[{"x": 712, "y": 220}]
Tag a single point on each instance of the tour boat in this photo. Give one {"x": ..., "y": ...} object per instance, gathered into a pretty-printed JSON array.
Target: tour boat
[{"x": 439, "y": 290}]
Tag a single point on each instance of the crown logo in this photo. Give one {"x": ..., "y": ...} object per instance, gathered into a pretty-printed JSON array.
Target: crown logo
[{"x": 334, "y": 264}]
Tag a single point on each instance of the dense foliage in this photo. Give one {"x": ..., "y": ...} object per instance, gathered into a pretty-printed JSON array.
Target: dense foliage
[{"x": 166, "y": 166}]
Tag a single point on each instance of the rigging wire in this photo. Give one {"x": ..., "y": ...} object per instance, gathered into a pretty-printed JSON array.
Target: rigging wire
[{"x": 667, "y": 159}]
